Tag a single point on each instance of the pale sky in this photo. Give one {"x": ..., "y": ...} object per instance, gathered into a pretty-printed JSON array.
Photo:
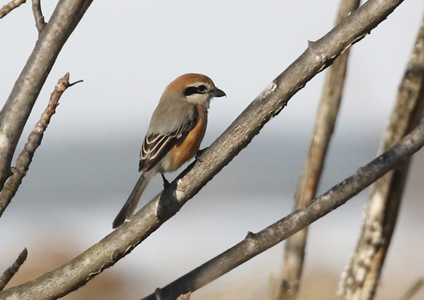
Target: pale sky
[{"x": 127, "y": 54}]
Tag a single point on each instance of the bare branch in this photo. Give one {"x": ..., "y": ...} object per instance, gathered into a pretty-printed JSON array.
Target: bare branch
[
  {"x": 13, "y": 269},
  {"x": 38, "y": 16},
  {"x": 413, "y": 290},
  {"x": 309, "y": 181},
  {"x": 268, "y": 104},
  {"x": 34, "y": 140},
  {"x": 255, "y": 244},
  {"x": 10, "y": 6},
  {"x": 15, "y": 112},
  {"x": 362, "y": 276}
]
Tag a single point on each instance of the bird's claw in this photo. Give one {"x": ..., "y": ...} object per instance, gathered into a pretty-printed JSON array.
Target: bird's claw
[{"x": 199, "y": 153}]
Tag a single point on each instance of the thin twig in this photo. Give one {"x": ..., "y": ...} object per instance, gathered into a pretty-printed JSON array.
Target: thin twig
[
  {"x": 309, "y": 181},
  {"x": 361, "y": 278},
  {"x": 13, "y": 269},
  {"x": 255, "y": 244},
  {"x": 267, "y": 105},
  {"x": 34, "y": 140},
  {"x": 10, "y": 6},
  {"x": 38, "y": 15},
  {"x": 413, "y": 289}
]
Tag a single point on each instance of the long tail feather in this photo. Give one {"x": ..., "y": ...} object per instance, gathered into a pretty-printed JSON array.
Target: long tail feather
[{"x": 129, "y": 207}]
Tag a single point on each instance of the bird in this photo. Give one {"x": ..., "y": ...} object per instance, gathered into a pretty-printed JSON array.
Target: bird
[{"x": 174, "y": 135}]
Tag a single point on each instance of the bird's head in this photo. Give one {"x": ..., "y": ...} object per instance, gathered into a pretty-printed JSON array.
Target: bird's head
[{"x": 194, "y": 88}]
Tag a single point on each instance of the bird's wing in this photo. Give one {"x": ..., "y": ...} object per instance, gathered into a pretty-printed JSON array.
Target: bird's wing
[{"x": 156, "y": 145}]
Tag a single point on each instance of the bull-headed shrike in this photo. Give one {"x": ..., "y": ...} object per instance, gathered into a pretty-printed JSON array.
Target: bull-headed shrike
[{"x": 176, "y": 129}]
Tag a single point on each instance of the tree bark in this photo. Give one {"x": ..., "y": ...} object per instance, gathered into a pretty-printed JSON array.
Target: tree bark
[{"x": 361, "y": 279}]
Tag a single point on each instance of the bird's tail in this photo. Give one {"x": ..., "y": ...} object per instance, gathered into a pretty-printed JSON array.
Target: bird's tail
[{"x": 129, "y": 207}]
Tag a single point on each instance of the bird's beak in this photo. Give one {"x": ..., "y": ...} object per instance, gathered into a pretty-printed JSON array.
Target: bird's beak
[{"x": 216, "y": 92}]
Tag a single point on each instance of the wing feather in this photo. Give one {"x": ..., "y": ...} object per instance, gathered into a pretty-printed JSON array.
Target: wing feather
[{"x": 156, "y": 146}]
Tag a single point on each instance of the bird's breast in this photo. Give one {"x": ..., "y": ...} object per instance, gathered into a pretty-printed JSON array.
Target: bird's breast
[{"x": 189, "y": 147}]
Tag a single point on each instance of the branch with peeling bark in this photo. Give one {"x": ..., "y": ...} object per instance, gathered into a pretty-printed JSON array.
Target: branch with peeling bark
[
  {"x": 309, "y": 181},
  {"x": 13, "y": 269},
  {"x": 268, "y": 104},
  {"x": 34, "y": 140},
  {"x": 255, "y": 244},
  {"x": 361, "y": 279},
  {"x": 18, "y": 106},
  {"x": 10, "y": 6}
]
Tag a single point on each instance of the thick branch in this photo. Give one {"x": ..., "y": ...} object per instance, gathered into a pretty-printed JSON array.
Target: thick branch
[
  {"x": 11, "y": 271},
  {"x": 309, "y": 181},
  {"x": 267, "y": 105},
  {"x": 361, "y": 278},
  {"x": 255, "y": 244},
  {"x": 34, "y": 140},
  {"x": 10, "y": 6},
  {"x": 26, "y": 89}
]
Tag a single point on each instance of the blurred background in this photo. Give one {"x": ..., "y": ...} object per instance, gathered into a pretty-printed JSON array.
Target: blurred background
[{"x": 127, "y": 53}]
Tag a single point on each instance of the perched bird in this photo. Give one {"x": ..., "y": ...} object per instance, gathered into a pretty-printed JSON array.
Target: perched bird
[{"x": 176, "y": 130}]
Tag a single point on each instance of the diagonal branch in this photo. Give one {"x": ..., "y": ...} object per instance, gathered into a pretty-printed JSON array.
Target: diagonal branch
[
  {"x": 13, "y": 269},
  {"x": 10, "y": 6},
  {"x": 268, "y": 104},
  {"x": 309, "y": 181},
  {"x": 255, "y": 244},
  {"x": 34, "y": 140},
  {"x": 16, "y": 111},
  {"x": 362, "y": 276}
]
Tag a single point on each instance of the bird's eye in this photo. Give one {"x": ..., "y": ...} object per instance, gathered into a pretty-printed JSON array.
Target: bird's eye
[{"x": 201, "y": 88}]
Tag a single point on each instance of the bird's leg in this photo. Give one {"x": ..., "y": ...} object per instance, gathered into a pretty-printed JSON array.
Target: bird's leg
[
  {"x": 199, "y": 153},
  {"x": 165, "y": 182}
]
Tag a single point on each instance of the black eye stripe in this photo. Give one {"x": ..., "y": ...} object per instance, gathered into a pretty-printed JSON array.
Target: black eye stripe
[
  {"x": 190, "y": 91},
  {"x": 201, "y": 89}
]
